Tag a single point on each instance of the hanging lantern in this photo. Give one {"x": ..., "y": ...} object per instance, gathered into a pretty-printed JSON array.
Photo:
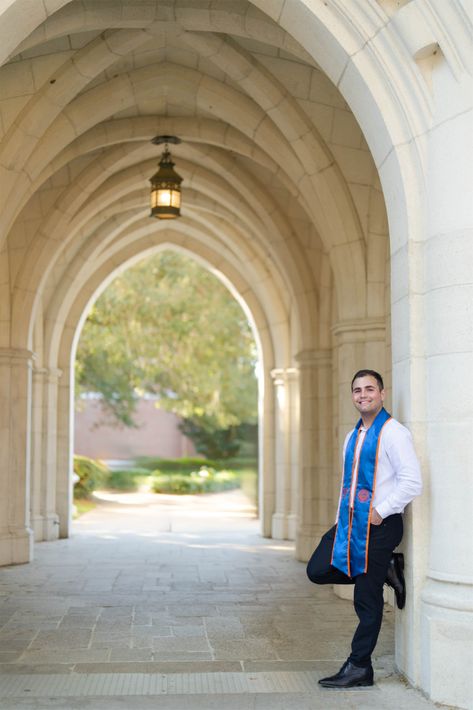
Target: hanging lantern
[{"x": 166, "y": 184}]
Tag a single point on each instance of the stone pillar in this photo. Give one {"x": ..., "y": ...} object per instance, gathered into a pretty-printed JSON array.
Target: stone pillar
[
  {"x": 446, "y": 614},
  {"x": 37, "y": 453},
  {"x": 16, "y": 536},
  {"x": 315, "y": 470},
  {"x": 292, "y": 376},
  {"x": 44, "y": 519},
  {"x": 282, "y": 452},
  {"x": 359, "y": 344},
  {"x": 65, "y": 452}
]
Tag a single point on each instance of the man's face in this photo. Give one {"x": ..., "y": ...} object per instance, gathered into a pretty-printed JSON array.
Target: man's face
[{"x": 366, "y": 395}]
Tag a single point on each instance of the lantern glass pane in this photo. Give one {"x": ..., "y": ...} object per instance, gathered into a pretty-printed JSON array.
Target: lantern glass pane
[
  {"x": 176, "y": 199},
  {"x": 164, "y": 198}
]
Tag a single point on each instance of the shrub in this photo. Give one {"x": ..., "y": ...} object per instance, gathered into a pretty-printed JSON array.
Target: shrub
[
  {"x": 207, "y": 480},
  {"x": 183, "y": 465},
  {"x": 208, "y": 441},
  {"x": 81, "y": 506},
  {"x": 129, "y": 480},
  {"x": 242, "y": 462},
  {"x": 92, "y": 474},
  {"x": 174, "y": 483}
]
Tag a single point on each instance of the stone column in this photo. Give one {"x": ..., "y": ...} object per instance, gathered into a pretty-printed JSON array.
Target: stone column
[
  {"x": 446, "y": 614},
  {"x": 65, "y": 452},
  {"x": 282, "y": 452},
  {"x": 315, "y": 495},
  {"x": 16, "y": 536},
  {"x": 359, "y": 344},
  {"x": 292, "y": 377},
  {"x": 37, "y": 453},
  {"x": 44, "y": 519}
]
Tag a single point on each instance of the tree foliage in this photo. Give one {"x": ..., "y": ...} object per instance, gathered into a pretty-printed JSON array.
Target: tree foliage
[{"x": 170, "y": 328}]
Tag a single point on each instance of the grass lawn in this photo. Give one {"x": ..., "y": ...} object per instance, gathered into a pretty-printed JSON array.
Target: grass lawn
[
  {"x": 178, "y": 476},
  {"x": 83, "y": 505},
  {"x": 181, "y": 476}
]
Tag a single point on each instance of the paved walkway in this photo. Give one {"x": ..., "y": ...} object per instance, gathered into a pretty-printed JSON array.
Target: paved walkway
[{"x": 178, "y": 606}]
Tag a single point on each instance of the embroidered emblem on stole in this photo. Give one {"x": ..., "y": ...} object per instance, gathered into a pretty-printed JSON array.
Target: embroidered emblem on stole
[{"x": 350, "y": 547}]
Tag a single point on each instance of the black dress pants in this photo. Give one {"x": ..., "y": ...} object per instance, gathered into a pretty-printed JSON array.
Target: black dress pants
[{"x": 368, "y": 596}]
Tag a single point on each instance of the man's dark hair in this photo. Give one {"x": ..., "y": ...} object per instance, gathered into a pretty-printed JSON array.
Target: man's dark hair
[{"x": 369, "y": 373}]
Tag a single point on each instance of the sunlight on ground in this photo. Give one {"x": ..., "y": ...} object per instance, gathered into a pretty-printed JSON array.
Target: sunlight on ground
[
  {"x": 235, "y": 502},
  {"x": 153, "y": 517}
]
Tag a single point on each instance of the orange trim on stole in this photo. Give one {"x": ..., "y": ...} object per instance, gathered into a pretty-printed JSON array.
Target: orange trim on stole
[{"x": 372, "y": 494}]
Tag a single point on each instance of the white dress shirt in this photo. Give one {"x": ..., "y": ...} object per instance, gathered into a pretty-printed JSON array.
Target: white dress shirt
[{"x": 398, "y": 477}]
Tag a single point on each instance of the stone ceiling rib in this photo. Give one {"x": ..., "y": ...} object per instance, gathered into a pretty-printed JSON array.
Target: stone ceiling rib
[
  {"x": 47, "y": 247},
  {"x": 123, "y": 235},
  {"x": 270, "y": 140},
  {"x": 79, "y": 207},
  {"x": 204, "y": 91},
  {"x": 137, "y": 132},
  {"x": 189, "y": 243},
  {"x": 272, "y": 112},
  {"x": 250, "y": 24},
  {"x": 258, "y": 127}
]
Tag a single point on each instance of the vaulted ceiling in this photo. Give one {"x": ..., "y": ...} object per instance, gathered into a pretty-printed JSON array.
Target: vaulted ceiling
[{"x": 278, "y": 179}]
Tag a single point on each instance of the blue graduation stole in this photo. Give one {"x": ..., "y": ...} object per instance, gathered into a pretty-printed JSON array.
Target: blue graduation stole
[{"x": 350, "y": 547}]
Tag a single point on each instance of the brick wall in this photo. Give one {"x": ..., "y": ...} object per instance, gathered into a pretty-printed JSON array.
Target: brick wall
[{"x": 157, "y": 435}]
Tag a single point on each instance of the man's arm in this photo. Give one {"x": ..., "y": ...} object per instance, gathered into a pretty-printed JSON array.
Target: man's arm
[{"x": 408, "y": 480}]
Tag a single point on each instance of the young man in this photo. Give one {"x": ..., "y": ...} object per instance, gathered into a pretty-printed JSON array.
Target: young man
[{"x": 381, "y": 475}]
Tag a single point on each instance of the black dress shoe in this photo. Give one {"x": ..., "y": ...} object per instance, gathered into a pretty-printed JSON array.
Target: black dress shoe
[
  {"x": 349, "y": 676},
  {"x": 395, "y": 578}
]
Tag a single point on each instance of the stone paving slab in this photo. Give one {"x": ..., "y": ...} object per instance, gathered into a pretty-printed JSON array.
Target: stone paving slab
[
  {"x": 198, "y": 613},
  {"x": 283, "y": 701},
  {"x": 298, "y": 688},
  {"x": 161, "y": 684}
]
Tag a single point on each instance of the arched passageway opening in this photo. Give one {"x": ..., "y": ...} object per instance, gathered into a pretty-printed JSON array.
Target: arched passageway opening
[{"x": 167, "y": 365}]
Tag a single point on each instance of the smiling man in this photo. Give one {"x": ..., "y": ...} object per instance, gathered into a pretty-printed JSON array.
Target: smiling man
[{"x": 381, "y": 475}]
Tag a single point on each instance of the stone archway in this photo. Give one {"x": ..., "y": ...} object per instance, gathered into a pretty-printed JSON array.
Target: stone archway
[
  {"x": 309, "y": 127},
  {"x": 72, "y": 307}
]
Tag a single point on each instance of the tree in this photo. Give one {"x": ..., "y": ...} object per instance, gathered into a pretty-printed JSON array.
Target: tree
[{"x": 170, "y": 328}]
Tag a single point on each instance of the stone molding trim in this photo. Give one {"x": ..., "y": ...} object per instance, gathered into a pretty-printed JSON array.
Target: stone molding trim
[
  {"x": 52, "y": 374},
  {"x": 357, "y": 331},
  {"x": 281, "y": 375},
  {"x": 15, "y": 356},
  {"x": 319, "y": 358}
]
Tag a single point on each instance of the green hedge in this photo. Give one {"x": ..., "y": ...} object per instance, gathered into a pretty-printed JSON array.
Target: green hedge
[
  {"x": 183, "y": 465},
  {"x": 92, "y": 475},
  {"x": 242, "y": 462},
  {"x": 204, "y": 481},
  {"x": 129, "y": 480},
  {"x": 180, "y": 476}
]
